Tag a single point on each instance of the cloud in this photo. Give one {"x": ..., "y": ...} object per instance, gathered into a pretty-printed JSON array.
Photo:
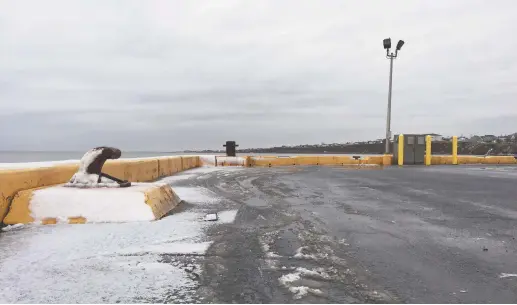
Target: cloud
[{"x": 162, "y": 75}]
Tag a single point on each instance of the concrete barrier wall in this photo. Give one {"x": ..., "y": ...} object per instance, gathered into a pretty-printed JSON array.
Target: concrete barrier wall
[
  {"x": 13, "y": 181},
  {"x": 190, "y": 162},
  {"x": 135, "y": 170},
  {"x": 269, "y": 161},
  {"x": 446, "y": 160},
  {"x": 169, "y": 166},
  {"x": 317, "y": 160}
]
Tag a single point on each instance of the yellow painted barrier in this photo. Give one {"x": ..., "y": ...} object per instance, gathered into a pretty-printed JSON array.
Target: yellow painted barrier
[
  {"x": 401, "y": 150},
  {"x": 164, "y": 166},
  {"x": 428, "y": 150},
  {"x": 169, "y": 165},
  {"x": 268, "y": 162},
  {"x": 374, "y": 160},
  {"x": 455, "y": 150},
  {"x": 190, "y": 162},
  {"x": 446, "y": 160},
  {"x": 387, "y": 159},
  {"x": 326, "y": 160},
  {"x": 491, "y": 160},
  {"x": 247, "y": 161},
  {"x": 13, "y": 181},
  {"x": 159, "y": 197},
  {"x": 307, "y": 160},
  {"x": 133, "y": 170},
  {"x": 344, "y": 160},
  {"x": 507, "y": 159},
  {"x": 318, "y": 160},
  {"x": 463, "y": 160},
  {"x": 474, "y": 160}
]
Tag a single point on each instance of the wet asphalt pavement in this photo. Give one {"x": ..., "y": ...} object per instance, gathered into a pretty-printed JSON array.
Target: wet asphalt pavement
[{"x": 333, "y": 234}]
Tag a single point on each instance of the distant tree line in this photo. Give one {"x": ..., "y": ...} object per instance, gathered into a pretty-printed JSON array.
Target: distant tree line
[{"x": 475, "y": 145}]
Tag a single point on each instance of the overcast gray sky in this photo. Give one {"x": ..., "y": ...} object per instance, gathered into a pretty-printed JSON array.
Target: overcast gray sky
[{"x": 173, "y": 75}]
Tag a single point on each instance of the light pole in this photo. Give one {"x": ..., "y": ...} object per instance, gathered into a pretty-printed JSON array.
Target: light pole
[{"x": 387, "y": 46}]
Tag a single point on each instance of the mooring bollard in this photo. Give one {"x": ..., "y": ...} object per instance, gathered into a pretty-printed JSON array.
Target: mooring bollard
[
  {"x": 90, "y": 173},
  {"x": 230, "y": 148}
]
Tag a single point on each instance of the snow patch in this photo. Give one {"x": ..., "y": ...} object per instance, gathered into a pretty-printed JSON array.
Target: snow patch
[
  {"x": 96, "y": 205},
  {"x": 290, "y": 280},
  {"x": 13, "y": 227},
  {"x": 230, "y": 161},
  {"x": 177, "y": 177},
  {"x": 301, "y": 253},
  {"x": 196, "y": 195},
  {"x": 207, "y": 160},
  {"x": 85, "y": 180},
  {"x": 318, "y": 273},
  {"x": 265, "y": 241},
  {"x": 194, "y": 248},
  {"x": 227, "y": 216},
  {"x": 301, "y": 291},
  {"x": 88, "y": 158},
  {"x": 101, "y": 263}
]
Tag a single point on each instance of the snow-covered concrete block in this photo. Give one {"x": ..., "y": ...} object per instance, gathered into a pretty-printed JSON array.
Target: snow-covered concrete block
[{"x": 59, "y": 204}]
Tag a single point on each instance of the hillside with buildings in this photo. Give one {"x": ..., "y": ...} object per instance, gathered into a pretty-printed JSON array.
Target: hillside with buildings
[{"x": 473, "y": 145}]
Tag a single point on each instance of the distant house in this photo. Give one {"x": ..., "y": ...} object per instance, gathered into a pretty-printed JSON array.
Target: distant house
[
  {"x": 435, "y": 137},
  {"x": 476, "y": 139},
  {"x": 489, "y": 138}
]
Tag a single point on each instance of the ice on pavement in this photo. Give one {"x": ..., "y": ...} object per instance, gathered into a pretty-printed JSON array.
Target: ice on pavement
[
  {"x": 89, "y": 263},
  {"x": 199, "y": 195},
  {"x": 227, "y": 216},
  {"x": 505, "y": 275},
  {"x": 178, "y": 177},
  {"x": 170, "y": 248},
  {"x": 292, "y": 281},
  {"x": 301, "y": 291},
  {"x": 13, "y": 227}
]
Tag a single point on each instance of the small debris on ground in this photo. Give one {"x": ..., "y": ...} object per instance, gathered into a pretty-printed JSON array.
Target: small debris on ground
[
  {"x": 485, "y": 248},
  {"x": 211, "y": 217}
]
